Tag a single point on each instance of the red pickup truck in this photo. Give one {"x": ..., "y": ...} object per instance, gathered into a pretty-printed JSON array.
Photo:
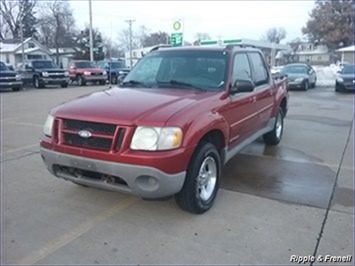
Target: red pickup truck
[
  {"x": 83, "y": 71},
  {"x": 178, "y": 117}
]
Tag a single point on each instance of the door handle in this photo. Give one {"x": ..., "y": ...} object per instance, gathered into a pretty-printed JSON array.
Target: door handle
[
  {"x": 253, "y": 99},
  {"x": 271, "y": 93}
]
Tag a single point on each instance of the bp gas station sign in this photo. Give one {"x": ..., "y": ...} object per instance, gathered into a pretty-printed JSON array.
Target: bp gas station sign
[{"x": 177, "y": 38}]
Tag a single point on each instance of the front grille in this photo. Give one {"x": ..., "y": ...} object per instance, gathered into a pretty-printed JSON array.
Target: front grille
[
  {"x": 103, "y": 136},
  {"x": 4, "y": 74},
  {"x": 93, "y": 127},
  {"x": 56, "y": 76},
  {"x": 96, "y": 74},
  {"x": 8, "y": 79},
  {"x": 92, "y": 142}
]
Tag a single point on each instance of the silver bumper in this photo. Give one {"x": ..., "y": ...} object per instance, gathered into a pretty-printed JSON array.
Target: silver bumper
[
  {"x": 143, "y": 181},
  {"x": 10, "y": 84}
]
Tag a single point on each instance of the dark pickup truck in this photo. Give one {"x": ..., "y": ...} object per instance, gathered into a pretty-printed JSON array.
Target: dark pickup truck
[
  {"x": 9, "y": 79},
  {"x": 178, "y": 117},
  {"x": 116, "y": 70},
  {"x": 40, "y": 73}
]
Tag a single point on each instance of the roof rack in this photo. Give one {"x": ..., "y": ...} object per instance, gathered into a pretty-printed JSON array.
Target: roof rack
[
  {"x": 230, "y": 46},
  {"x": 160, "y": 46}
]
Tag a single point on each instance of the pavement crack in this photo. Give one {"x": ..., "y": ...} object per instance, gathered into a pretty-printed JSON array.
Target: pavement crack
[
  {"x": 332, "y": 195},
  {"x": 19, "y": 157}
]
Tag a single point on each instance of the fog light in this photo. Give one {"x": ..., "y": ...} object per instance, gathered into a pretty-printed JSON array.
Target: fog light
[{"x": 152, "y": 181}]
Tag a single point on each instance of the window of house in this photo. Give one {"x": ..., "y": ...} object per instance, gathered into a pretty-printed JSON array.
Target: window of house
[{"x": 31, "y": 45}]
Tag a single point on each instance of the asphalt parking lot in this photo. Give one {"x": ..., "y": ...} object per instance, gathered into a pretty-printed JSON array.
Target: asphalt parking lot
[{"x": 293, "y": 199}]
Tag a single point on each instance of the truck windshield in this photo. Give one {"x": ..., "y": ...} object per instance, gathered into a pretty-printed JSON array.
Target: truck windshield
[
  {"x": 44, "y": 64},
  {"x": 117, "y": 65},
  {"x": 348, "y": 69},
  {"x": 190, "y": 69},
  {"x": 294, "y": 70},
  {"x": 3, "y": 67},
  {"x": 87, "y": 64}
]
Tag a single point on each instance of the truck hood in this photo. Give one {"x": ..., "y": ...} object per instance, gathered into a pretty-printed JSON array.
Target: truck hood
[{"x": 127, "y": 106}]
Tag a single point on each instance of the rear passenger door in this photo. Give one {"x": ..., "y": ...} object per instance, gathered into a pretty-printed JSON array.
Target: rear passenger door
[{"x": 264, "y": 89}]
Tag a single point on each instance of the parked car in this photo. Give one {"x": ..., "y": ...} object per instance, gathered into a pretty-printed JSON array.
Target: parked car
[
  {"x": 10, "y": 67},
  {"x": 300, "y": 76},
  {"x": 9, "y": 79},
  {"x": 116, "y": 69},
  {"x": 181, "y": 114},
  {"x": 40, "y": 73},
  {"x": 345, "y": 80},
  {"x": 86, "y": 71}
]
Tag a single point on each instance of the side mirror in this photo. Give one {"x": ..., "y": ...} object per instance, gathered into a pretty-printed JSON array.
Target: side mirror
[{"x": 242, "y": 86}]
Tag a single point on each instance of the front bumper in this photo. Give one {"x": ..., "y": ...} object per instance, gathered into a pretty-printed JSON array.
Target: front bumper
[
  {"x": 349, "y": 86},
  {"x": 143, "y": 181},
  {"x": 13, "y": 84},
  {"x": 295, "y": 85},
  {"x": 54, "y": 81},
  {"x": 95, "y": 78}
]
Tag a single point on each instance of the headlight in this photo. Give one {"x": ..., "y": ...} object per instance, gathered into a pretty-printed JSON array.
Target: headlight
[
  {"x": 47, "y": 128},
  {"x": 299, "y": 79},
  {"x": 104, "y": 73},
  {"x": 120, "y": 72},
  {"x": 18, "y": 77},
  {"x": 66, "y": 73},
  {"x": 45, "y": 74},
  {"x": 340, "y": 79},
  {"x": 156, "y": 138},
  {"x": 87, "y": 73}
]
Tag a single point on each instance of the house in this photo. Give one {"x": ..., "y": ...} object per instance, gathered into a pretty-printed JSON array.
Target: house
[
  {"x": 65, "y": 56},
  {"x": 307, "y": 52},
  {"x": 11, "y": 51},
  {"x": 347, "y": 54}
]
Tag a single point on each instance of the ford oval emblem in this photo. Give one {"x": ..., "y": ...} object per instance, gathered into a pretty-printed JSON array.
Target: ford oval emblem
[{"x": 84, "y": 134}]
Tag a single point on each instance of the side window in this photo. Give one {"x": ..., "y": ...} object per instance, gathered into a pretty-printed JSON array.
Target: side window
[
  {"x": 261, "y": 76},
  {"x": 241, "y": 68}
]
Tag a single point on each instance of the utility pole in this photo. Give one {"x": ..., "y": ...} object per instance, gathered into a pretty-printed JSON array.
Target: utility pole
[
  {"x": 90, "y": 32},
  {"x": 130, "y": 21},
  {"x": 23, "y": 48}
]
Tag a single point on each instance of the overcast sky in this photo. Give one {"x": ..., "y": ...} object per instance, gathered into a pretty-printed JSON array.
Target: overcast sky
[{"x": 228, "y": 19}]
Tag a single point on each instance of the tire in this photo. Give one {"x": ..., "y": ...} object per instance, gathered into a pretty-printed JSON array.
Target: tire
[
  {"x": 102, "y": 82},
  {"x": 314, "y": 84},
  {"x": 199, "y": 192},
  {"x": 274, "y": 137},
  {"x": 37, "y": 83},
  {"x": 64, "y": 85},
  {"x": 16, "y": 88},
  {"x": 80, "y": 80},
  {"x": 338, "y": 88},
  {"x": 306, "y": 85}
]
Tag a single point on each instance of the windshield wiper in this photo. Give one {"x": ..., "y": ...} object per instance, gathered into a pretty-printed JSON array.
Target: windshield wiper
[
  {"x": 181, "y": 83},
  {"x": 135, "y": 82}
]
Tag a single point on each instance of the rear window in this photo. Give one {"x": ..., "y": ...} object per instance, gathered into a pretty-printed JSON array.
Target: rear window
[{"x": 348, "y": 69}]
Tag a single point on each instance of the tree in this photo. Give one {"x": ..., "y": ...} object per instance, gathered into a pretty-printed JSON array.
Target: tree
[
  {"x": 331, "y": 23},
  {"x": 156, "y": 38},
  {"x": 111, "y": 49},
  {"x": 124, "y": 40},
  {"x": 202, "y": 36},
  {"x": 15, "y": 13},
  {"x": 57, "y": 25},
  {"x": 275, "y": 35},
  {"x": 83, "y": 45}
]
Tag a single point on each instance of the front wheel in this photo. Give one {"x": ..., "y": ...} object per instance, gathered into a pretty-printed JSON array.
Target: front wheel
[
  {"x": 202, "y": 180},
  {"x": 274, "y": 137},
  {"x": 306, "y": 85},
  {"x": 80, "y": 80},
  {"x": 37, "y": 83}
]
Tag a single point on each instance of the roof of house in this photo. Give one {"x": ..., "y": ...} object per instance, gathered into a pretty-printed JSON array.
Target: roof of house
[
  {"x": 12, "y": 45},
  {"x": 347, "y": 49}
]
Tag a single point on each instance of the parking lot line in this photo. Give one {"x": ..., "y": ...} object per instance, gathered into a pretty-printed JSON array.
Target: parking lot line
[
  {"x": 63, "y": 240},
  {"x": 22, "y": 123},
  {"x": 22, "y": 148}
]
